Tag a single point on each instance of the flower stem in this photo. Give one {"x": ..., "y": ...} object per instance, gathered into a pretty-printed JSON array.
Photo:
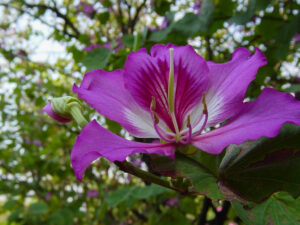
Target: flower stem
[{"x": 129, "y": 168}]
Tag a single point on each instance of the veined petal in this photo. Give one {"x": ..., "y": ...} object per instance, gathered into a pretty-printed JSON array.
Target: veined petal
[
  {"x": 105, "y": 92},
  {"x": 146, "y": 76},
  {"x": 229, "y": 82},
  {"x": 262, "y": 117},
  {"x": 94, "y": 141}
]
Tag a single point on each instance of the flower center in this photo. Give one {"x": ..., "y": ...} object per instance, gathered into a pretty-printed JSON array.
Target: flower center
[{"x": 184, "y": 135}]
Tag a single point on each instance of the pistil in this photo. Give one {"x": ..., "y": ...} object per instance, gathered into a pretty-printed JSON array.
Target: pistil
[{"x": 171, "y": 96}]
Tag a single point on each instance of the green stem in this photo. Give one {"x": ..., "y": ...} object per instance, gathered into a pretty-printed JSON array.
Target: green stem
[
  {"x": 129, "y": 168},
  {"x": 76, "y": 113}
]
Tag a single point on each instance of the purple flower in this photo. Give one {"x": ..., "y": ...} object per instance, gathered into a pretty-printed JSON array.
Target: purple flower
[
  {"x": 86, "y": 8},
  {"x": 297, "y": 38},
  {"x": 92, "y": 47},
  {"x": 172, "y": 202},
  {"x": 92, "y": 193},
  {"x": 48, "y": 196},
  {"x": 173, "y": 94},
  {"x": 48, "y": 109},
  {"x": 197, "y": 7}
]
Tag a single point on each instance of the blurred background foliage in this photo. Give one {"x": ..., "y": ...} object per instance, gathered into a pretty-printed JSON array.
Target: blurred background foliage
[{"x": 47, "y": 45}]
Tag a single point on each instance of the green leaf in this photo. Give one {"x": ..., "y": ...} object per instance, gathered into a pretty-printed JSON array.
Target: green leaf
[
  {"x": 96, "y": 59},
  {"x": 162, "y": 6},
  {"x": 255, "y": 170},
  {"x": 134, "y": 193},
  {"x": 113, "y": 126},
  {"x": 148, "y": 191},
  {"x": 38, "y": 208},
  {"x": 172, "y": 216},
  {"x": 188, "y": 25},
  {"x": 61, "y": 217},
  {"x": 243, "y": 17},
  {"x": 10, "y": 204},
  {"x": 293, "y": 88},
  {"x": 206, "y": 15},
  {"x": 15, "y": 215},
  {"x": 118, "y": 196},
  {"x": 203, "y": 180},
  {"x": 280, "y": 209},
  {"x": 159, "y": 35},
  {"x": 128, "y": 40}
]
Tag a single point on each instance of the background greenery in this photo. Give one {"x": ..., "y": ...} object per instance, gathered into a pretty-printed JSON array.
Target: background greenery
[{"x": 37, "y": 184}]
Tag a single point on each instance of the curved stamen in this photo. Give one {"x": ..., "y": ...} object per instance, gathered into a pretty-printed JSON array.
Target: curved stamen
[
  {"x": 188, "y": 137},
  {"x": 155, "y": 120},
  {"x": 205, "y": 113}
]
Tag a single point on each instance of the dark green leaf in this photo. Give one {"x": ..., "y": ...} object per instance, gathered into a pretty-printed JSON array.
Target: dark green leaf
[
  {"x": 257, "y": 169},
  {"x": 203, "y": 180},
  {"x": 280, "y": 209}
]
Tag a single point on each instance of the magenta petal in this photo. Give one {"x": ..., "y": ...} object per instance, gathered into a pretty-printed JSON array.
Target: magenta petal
[
  {"x": 94, "y": 141},
  {"x": 229, "y": 82},
  {"x": 48, "y": 109},
  {"x": 146, "y": 76},
  {"x": 105, "y": 92},
  {"x": 262, "y": 117}
]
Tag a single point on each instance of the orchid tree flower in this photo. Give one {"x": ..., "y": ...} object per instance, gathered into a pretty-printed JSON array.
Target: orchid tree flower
[{"x": 174, "y": 95}]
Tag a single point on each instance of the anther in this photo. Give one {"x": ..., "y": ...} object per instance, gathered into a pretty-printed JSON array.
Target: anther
[
  {"x": 153, "y": 104},
  {"x": 189, "y": 135},
  {"x": 204, "y": 103}
]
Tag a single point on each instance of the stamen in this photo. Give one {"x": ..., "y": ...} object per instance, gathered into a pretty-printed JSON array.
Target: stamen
[
  {"x": 205, "y": 113},
  {"x": 155, "y": 120},
  {"x": 188, "y": 137}
]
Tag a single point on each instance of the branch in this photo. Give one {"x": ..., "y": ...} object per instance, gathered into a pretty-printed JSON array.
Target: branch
[
  {"x": 58, "y": 13},
  {"x": 136, "y": 16},
  {"x": 129, "y": 168}
]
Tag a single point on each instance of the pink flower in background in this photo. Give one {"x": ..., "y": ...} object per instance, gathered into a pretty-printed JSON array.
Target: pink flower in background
[
  {"x": 86, "y": 8},
  {"x": 48, "y": 196},
  {"x": 92, "y": 193},
  {"x": 172, "y": 202},
  {"x": 173, "y": 94},
  {"x": 92, "y": 47},
  {"x": 297, "y": 38},
  {"x": 197, "y": 7}
]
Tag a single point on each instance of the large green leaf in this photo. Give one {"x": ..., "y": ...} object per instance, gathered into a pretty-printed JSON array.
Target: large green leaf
[
  {"x": 255, "y": 170},
  {"x": 96, "y": 59},
  {"x": 280, "y": 209},
  {"x": 204, "y": 181}
]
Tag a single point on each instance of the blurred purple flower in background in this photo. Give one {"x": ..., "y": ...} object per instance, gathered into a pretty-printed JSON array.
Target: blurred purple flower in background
[
  {"x": 48, "y": 196},
  {"x": 92, "y": 193},
  {"x": 92, "y": 47},
  {"x": 172, "y": 202},
  {"x": 86, "y": 8},
  {"x": 197, "y": 7},
  {"x": 297, "y": 38}
]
